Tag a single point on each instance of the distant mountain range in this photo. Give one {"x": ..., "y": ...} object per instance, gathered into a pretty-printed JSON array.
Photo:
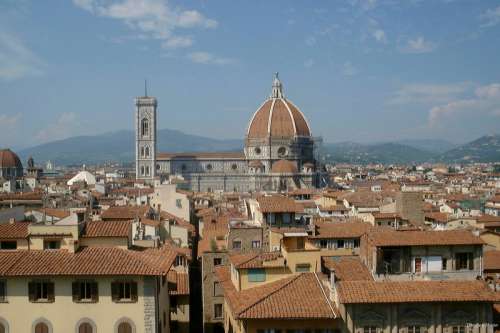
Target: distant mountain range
[{"x": 119, "y": 147}]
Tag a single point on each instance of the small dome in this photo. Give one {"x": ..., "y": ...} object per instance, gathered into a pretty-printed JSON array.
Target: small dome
[
  {"x": 278, "y": 117},
  {"x": 255, "y": 164},
  {"x": 9, "y": 159},
  {"x": 284, "y": 166}
]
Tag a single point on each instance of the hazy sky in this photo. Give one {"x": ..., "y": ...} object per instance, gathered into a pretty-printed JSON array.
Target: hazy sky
[{"x": 360, "y": 70}]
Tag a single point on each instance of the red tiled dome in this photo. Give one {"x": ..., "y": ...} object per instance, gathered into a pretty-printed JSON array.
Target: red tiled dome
[
  {"x": 8, "y": 159},
  {"x": 284, "y": 166},
  {"x": 277, "y": 117}
]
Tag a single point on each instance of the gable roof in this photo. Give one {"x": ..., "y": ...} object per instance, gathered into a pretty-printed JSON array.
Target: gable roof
[
  {"x": 299, "y": 296},
  {"x": 107, "y": 229},
  {"x": 421, "y": 238},
  {"x": 87, "y": 261},
  {"x": 414, "y": 291},
  {"x": 253, "y": 260},
  {"x": 14, "y": 230},
  {"x": 341, "y": 229},
  {"x": 348, "y": 268}
]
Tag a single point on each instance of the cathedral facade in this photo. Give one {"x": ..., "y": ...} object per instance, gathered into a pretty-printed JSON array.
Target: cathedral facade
[{"x": 278, "y": 153}]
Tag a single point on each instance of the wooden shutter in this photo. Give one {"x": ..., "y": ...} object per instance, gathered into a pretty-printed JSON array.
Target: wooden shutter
[
  {"x": 32, "y": 291},
  {"x": 94, "y": 291},
  {"x": 133, "y": 291},
  {"x": 50, "y": 291},
  {"x": 76, "y": 291},
  {"x": 115, "y": 291}
]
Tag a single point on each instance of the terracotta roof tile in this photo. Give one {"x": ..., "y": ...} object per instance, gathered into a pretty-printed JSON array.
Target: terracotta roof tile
[
  {"x": 348, "y": 268},
  {"x": 341, "y": 229},
  {"x": 253, "y": 260},
  {"x": 14, "y": 230},
  {"x": 124, "y": 212},
  {"x": 181, "y": 283},
  {"x": 107, "y": 229},
  {"x": 87, "y": 261},
  {"x": 420, "y": 238},
  {"x": 299, "y": 296},
  {"x": 414, "y": 291},
  {"x": 278, "y": 204}
]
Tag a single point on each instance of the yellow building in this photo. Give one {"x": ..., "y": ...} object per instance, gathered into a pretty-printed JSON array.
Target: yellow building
[{"x": 73, "y": 276}]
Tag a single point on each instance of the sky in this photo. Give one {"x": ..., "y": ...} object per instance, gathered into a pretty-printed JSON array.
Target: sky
[{"x": 360, "y": 70}]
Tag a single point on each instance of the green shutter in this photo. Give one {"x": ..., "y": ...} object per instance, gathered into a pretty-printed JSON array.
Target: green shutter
[{"x": 256, "y": 275}]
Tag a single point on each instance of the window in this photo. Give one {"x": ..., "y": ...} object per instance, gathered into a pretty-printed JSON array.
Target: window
[
  {"x": 256, "y": 275},
  {"x": 124, "y": 328},
  {"x": 85, "y": 328},
  {"x": 234, "y": 167},
  {"x": 3, "y": 292},
  {"x": 41, "y": 291},
  {"x": 255, "y": 244},
  {"x": 369, "y": 329},
  {"x": 302, "y": 267},
  {"x": 218, "y": 311},
  {"x": 51, "y": 244},
  {"x": 124, "y": 291},
  {"x": 217, "y": 261},
  {"x": 145, "y": 127},
  {"x": 464, "y": 260},
  {"x": 142, "y": 151},
  {"x": 178, "y": 203},
  {"x": 2, "y": 328},
  {"x": 41, "y": 328},
  {"x": 257, "y": 151},
  {"x": 209, "y": 167},
  {"x": 146, "y": 151},
  {"x": 142, "y": 170},
  {"x": 459, "y": 329},
  {"x": 444, "y": 264},
  {"x": 281, "y": 151},
  {"x": 85, "y": 291},
  {"x": 340, "y": 244},
  {"x": 8, "y": 245},
  {"x": 183, "y": 167},
  {"x": 237, "y": 244},
  {"x": 218, "y": 289},
  {"x": 323, "y": 243},
  {"x": 415, "y": 329}
]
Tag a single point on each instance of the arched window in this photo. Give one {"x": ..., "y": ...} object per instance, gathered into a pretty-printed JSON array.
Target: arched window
[
  {"x": 147, "y": 151},
  {"x": 142, "y": 170},
  {"x": 124, "y": 327},
  {"x": 147, "y": 170},
  {"x": 3, "y": 327},
  {"x": 85, "y": 328},
  {"x": 142, "y": 151},
  {"x": 42, "y": 328},
  {"x": 144, "y": 127}
]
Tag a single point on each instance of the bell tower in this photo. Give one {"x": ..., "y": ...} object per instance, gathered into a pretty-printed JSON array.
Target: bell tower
[{"x": 145, "y": 136}]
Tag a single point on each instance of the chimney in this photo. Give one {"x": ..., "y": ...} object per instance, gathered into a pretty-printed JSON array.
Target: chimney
[{"x": 12, "y": 220}]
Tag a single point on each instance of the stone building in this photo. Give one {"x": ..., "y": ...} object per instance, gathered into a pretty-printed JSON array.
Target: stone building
[{"x": 278, "y": 153}]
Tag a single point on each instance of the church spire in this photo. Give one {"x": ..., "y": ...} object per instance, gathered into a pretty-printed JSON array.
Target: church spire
[
  {"x": 146, "y": 88},
  {"x": 277, "y": 91}
]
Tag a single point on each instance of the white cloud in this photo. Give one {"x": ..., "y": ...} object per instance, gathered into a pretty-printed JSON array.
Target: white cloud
[
  {"x": 9, "y": 129},
  {"x": 418, "y": 45},
  {"x": 379, "y": 35},
  {"x": 310, "y": 41},
  {"x": 428, "y": 94},
  {"x": 309, "y": 63},
  {"x": 348, "y": 69},
  {"x": 151, "y": 18},
  {"x": 484, "y": 102},
  {"x": 66, "y": 125},
  {"x": 16, "y": 59},
  {"x": 178, "y": 42},
  {"x": 490, "y": 18},
  {"x": 208, "y": 59}
]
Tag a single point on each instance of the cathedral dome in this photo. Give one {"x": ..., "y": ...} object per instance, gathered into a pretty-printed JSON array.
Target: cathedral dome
[
  {"x": 278, "y": 118},
  {"x": 284, "y": 166},
  {"x": 9, "y": 159}
]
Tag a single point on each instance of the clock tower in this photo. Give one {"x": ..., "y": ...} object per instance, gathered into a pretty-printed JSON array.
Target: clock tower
[{"x": 145, "y": 137}]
